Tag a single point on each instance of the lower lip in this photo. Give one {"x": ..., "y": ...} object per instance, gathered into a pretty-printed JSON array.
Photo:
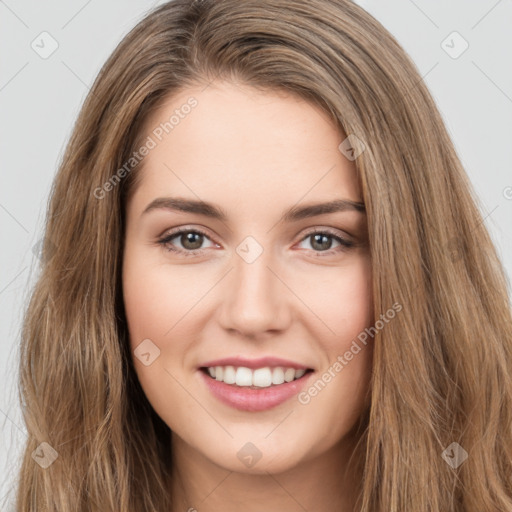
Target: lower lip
[{"x": 246, "y": 399}]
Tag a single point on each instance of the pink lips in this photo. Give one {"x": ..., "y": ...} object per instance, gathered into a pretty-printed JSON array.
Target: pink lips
[{"x": 246, "y": 399}]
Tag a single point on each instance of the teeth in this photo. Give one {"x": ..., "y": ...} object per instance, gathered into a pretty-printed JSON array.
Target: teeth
[
  {"x": 229, "y": 375},
  {"x": 261, "y": 377},
  {"x": 243, "y": 377},
  {"x": 277, "y": 375},
  {"x": 299, "y": 373},
  {"x": 289, "y": 374}
]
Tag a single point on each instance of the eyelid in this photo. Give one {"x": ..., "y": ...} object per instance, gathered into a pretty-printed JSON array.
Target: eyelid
[
  {"x": 335, "y": 232},
  {"x": 176, "y": 231}
]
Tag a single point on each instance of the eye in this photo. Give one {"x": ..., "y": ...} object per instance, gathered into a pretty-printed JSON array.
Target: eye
[
  {"x": 191, "y": 241},
  {"x": 322, "y": 240}
]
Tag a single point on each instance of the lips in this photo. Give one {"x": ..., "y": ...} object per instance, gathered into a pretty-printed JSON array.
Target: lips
[
  {"x": 254, "y": 400},
  {"x": 275, "y": 381}
]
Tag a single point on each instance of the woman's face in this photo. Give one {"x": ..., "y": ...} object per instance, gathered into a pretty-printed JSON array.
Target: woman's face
[{"x": 257, "y": 279}]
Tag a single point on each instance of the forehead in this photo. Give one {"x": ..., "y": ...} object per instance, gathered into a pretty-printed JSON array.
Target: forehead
[{"x": 235, "y": 143}]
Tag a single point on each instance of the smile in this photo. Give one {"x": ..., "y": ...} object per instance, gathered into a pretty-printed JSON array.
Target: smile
[
  {"x": 257, "y": 378},
  {"x": 254, "y": 390}
]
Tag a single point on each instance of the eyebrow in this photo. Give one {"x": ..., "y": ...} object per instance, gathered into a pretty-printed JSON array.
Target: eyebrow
[{"x": 215, "y": 212}]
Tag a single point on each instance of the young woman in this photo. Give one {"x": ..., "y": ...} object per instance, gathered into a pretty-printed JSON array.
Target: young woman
[{"x": 265, "y": 282}]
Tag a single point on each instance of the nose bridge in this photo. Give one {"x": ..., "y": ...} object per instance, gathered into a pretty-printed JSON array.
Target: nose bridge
[
  {"x": 252, "y": 275},
  {"x": 255, "y": 298}
]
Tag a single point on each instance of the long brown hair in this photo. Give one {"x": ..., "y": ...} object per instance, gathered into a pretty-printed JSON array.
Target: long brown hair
[{"x": 442, "y": 369}]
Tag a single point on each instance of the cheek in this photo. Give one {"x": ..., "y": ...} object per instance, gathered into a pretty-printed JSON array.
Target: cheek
[
  {"x": 146, "y": 303},
  {"x": 153, "y": 305},
  {"x": 344, "y": 303},
  {"x": 346, "y": 308},
  {"x": 155, "y": 297}
]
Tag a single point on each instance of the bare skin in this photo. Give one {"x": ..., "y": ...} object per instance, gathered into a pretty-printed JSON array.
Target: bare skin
[{"x": 255, "y": 155}]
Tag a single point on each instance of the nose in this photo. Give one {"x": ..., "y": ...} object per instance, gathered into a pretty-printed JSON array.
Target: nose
[{"x": 255, "y": 298}]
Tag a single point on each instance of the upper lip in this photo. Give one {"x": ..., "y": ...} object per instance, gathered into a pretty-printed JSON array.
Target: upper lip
[{"x": 261, "y": 362}]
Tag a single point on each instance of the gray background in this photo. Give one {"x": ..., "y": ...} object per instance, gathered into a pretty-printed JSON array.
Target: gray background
[{"x": 40, "y": 98}]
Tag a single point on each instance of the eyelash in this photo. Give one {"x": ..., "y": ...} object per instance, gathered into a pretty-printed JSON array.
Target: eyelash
[{"x": 165, "y": 242}]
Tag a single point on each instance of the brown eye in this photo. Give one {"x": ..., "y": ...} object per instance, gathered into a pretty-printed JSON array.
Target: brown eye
[
  {"x": 191, "y": 240},
  {"x": 322, "y": 242},
  {"x": 186, "y": 241}
]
